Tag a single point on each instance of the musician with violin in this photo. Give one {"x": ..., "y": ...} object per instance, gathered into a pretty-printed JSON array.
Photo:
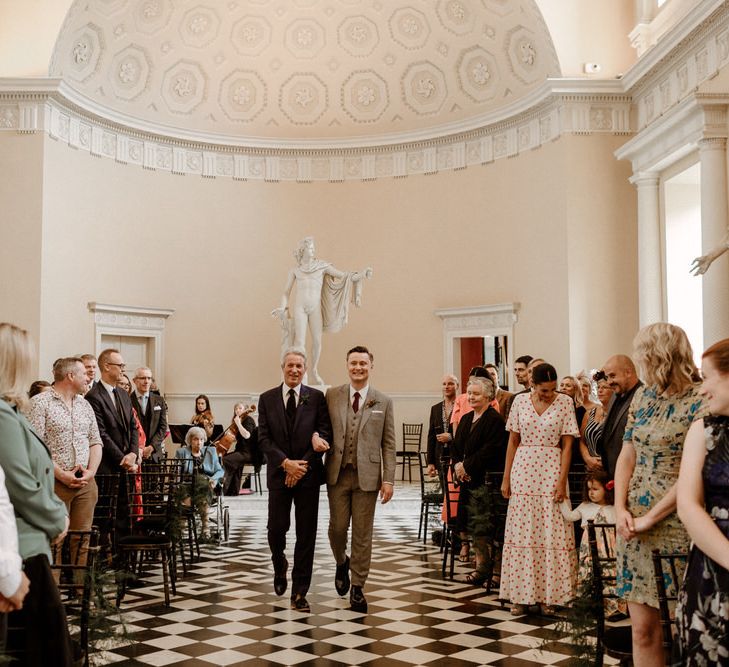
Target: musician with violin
[{"x": 239, "y": 447}]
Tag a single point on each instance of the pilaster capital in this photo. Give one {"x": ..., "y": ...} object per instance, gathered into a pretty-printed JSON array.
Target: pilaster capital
[
  {"x": 645, "y": 179},
  {"x": 712, "y": 144}
]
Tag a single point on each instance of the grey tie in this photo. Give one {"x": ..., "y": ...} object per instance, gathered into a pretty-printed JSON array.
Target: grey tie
[{"x": 143, "y": 403}]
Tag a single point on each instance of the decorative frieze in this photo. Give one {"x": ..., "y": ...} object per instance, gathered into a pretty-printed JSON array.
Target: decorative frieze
[{"x": 579, "y": 109}]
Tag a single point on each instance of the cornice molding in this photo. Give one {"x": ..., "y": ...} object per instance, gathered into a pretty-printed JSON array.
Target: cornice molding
[{"x": 559, "y": 106}]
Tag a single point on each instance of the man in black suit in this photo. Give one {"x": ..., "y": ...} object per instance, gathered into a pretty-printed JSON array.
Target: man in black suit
[
  {"x": 152, "y": 412},
  {"x": 293, "y": 432},
  {"x": 120, "y": 443},
  {"x": 623, "y": 380},
  {"x": 440, "y": 429}
]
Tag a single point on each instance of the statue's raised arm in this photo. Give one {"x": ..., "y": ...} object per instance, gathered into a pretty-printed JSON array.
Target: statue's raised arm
[
  {"x": 323, "y": 295},
  {"x": 701, "y": 264}
]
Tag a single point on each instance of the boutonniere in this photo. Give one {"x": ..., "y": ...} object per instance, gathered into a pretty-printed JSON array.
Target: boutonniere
[
  {"x": 371, "y": 403},
  {"x": 304, "y": 399}
]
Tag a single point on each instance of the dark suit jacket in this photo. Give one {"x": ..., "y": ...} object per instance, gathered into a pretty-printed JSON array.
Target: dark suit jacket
[
  {"x": 482, "y": 448},
  {"x": 611, "y": 438},
  {"x": 154, "y": 423},
  {"x": 278, "y": 443},
  {"x": 435, "y": 448},
  {"x": 118, "y": 438}
]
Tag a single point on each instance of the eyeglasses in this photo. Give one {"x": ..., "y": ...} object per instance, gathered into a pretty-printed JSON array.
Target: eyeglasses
[
  {"x": 111, "y": 363},
  {"x": 143, "y": 378}
]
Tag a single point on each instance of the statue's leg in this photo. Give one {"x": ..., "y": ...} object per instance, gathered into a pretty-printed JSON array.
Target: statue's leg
[
  {"x": 299, "y": 329},
  {"x": 316, "y": 327}
]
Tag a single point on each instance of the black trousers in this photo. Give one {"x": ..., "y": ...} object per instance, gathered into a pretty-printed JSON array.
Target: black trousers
[
  {"x": 38, "y": 633},
  {"x": 306, "y": 511},
  {"x": 233, "y": 464}
]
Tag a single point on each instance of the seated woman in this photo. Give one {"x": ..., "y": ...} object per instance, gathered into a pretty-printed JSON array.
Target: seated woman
[
  {"x": 203, "y": 461},
  {"x": 203, "y": 415},
  {"x": 244, "y": 451}
]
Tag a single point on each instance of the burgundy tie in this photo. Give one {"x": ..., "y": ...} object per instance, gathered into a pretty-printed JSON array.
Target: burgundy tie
[{"x": 355, "y": 402}]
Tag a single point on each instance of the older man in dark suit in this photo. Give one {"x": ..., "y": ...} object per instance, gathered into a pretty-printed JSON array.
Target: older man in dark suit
[
  {"x": 293, "y": 432},
  {"x": 152, "y": 412},
  {"x": 120, "y": 442}
]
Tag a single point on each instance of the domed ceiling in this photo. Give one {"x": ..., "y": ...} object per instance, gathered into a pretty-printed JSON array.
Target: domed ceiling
[{"x": 303, "y": 69}]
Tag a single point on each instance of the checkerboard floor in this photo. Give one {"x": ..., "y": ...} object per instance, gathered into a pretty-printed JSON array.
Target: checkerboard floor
[{"x": 226, "y": 613}]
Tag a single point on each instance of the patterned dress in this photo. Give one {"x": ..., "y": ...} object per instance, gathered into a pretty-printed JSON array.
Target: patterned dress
[
  {"x": 593, "y": 431},
  {"x": 539, "y": 561},
  {"x": 657, "y": 426},
  {"x": 702, "y": 614}
]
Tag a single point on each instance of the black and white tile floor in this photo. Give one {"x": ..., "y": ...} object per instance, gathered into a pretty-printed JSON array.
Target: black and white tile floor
[{"x": 225, "y": 611}]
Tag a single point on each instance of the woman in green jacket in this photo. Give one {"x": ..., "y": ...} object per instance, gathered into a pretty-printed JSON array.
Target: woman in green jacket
[{"x": 37, "y": 633}]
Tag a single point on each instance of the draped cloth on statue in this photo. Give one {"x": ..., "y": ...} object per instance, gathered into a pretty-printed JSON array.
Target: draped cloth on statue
[{"x": 336, "y": 295}]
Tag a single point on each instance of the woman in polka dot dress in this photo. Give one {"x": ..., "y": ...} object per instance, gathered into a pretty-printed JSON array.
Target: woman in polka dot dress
[{"x": 539, "y": 561}]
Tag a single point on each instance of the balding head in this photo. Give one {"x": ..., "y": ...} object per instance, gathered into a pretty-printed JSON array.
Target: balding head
[
  {"x": 620, "y": 372},
  {"x": 450, "y": 386}
]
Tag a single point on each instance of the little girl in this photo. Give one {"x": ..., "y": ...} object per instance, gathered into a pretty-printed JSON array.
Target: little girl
[{"x": 598, "y": 498}]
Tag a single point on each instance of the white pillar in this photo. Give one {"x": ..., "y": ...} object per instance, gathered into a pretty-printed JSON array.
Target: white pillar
[
  {"x": 714, "y": 222},
  {"x": 650, "y": 279}
]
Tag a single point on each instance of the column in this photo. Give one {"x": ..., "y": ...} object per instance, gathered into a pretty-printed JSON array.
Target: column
[
  {"x": 650, "y": 276},
  {"x": 714, "y": 222}
]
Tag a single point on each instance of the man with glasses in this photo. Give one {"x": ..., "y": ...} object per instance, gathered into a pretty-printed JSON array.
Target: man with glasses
[
  {"x": 152, "y": 413},
  {"x": 113, "y": 409}
]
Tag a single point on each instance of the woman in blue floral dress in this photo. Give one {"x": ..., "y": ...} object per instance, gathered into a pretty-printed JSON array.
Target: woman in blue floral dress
[
  {"x": 646, "y": 474},
  {"x": 702, "y": 614}
]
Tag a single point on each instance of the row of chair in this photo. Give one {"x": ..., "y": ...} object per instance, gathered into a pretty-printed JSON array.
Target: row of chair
[{"x": 614, "y": 641}]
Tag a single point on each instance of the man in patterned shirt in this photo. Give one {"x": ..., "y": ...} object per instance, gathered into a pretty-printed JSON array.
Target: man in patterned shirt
[{"x": 67, "y": 424}]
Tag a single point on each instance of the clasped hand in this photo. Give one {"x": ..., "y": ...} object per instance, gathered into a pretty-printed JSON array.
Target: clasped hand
[
  {"x": 294, "y": 470},
  {"x": 629, "y": 527}
]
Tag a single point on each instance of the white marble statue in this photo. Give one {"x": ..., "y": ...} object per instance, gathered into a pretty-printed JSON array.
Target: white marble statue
[
  {"x": 323, "y": 295},
  {"x": 701, "y": 264}
]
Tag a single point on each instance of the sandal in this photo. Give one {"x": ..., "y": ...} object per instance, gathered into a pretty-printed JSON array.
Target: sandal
[
  {"x": 518, "y": 610},
  {"x": 465, "y": 554},
  {"x": 476, "y": 578},
  {"x": 548, "y": 610}
]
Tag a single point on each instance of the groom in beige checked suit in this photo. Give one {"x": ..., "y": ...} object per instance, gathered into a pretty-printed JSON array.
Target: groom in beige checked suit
[{"x": 360, "y": 463}]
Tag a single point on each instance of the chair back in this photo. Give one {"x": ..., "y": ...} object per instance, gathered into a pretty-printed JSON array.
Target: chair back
[
  {"x": 75, "y": 562},
  {"x": 668, "y": 570},
  {"x": 498, "y": 506},
  {"x": 105, "y": 510},
  {"x": 152, "y": 494},
  {"x": 412, "y": 436},
  {"x": 576, "y": 483},
  {"x": 451, "y": 493},
  {"x": 431, "y": 488}
]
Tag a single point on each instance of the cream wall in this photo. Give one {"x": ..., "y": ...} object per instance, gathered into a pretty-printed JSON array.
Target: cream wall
[
  {"x": 218, "y": 251},
  {"x": 601, "y": 250},
  {"x": 591, "y": 31},
  {"x": 21, "y": 207}
]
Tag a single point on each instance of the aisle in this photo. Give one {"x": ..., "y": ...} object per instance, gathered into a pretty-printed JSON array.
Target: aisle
[{"x": 226, "y": 613}]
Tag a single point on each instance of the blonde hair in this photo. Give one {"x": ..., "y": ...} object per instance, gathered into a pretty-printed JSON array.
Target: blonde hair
[
  {"x": 17, "y": 353},
  {"x": 663, "y": 353},
  {"x": 578, "y": 389}
]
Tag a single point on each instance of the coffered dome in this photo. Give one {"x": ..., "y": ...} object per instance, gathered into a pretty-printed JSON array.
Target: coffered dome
[{"x": 304, "y": 69}]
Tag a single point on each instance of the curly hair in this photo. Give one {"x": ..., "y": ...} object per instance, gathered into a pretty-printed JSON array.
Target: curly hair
[
  {"x": 601, "y": 477},
  {"x": 663, "y": 353}
]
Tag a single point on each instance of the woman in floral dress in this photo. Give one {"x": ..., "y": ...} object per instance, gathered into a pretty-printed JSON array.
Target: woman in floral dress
[
  {"x": 646, "y": 473},
  {"x": 539, "y": 561},
  {"x": 702, "y": 614}
]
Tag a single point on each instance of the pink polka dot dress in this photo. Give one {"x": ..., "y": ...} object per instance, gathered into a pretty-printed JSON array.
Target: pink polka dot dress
[{"x": 539, "y": 562}]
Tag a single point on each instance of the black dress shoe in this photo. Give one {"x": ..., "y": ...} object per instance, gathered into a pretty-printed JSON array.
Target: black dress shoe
[
  {"x": 280, "y": 583},
  {"x": 299, "y": 603},
  {"x": 357, "y": 600},
  {"x": 341, "y": 578}
]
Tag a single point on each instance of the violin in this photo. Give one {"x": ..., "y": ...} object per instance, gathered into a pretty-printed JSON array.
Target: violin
[{"x": 230, "y": 435}]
